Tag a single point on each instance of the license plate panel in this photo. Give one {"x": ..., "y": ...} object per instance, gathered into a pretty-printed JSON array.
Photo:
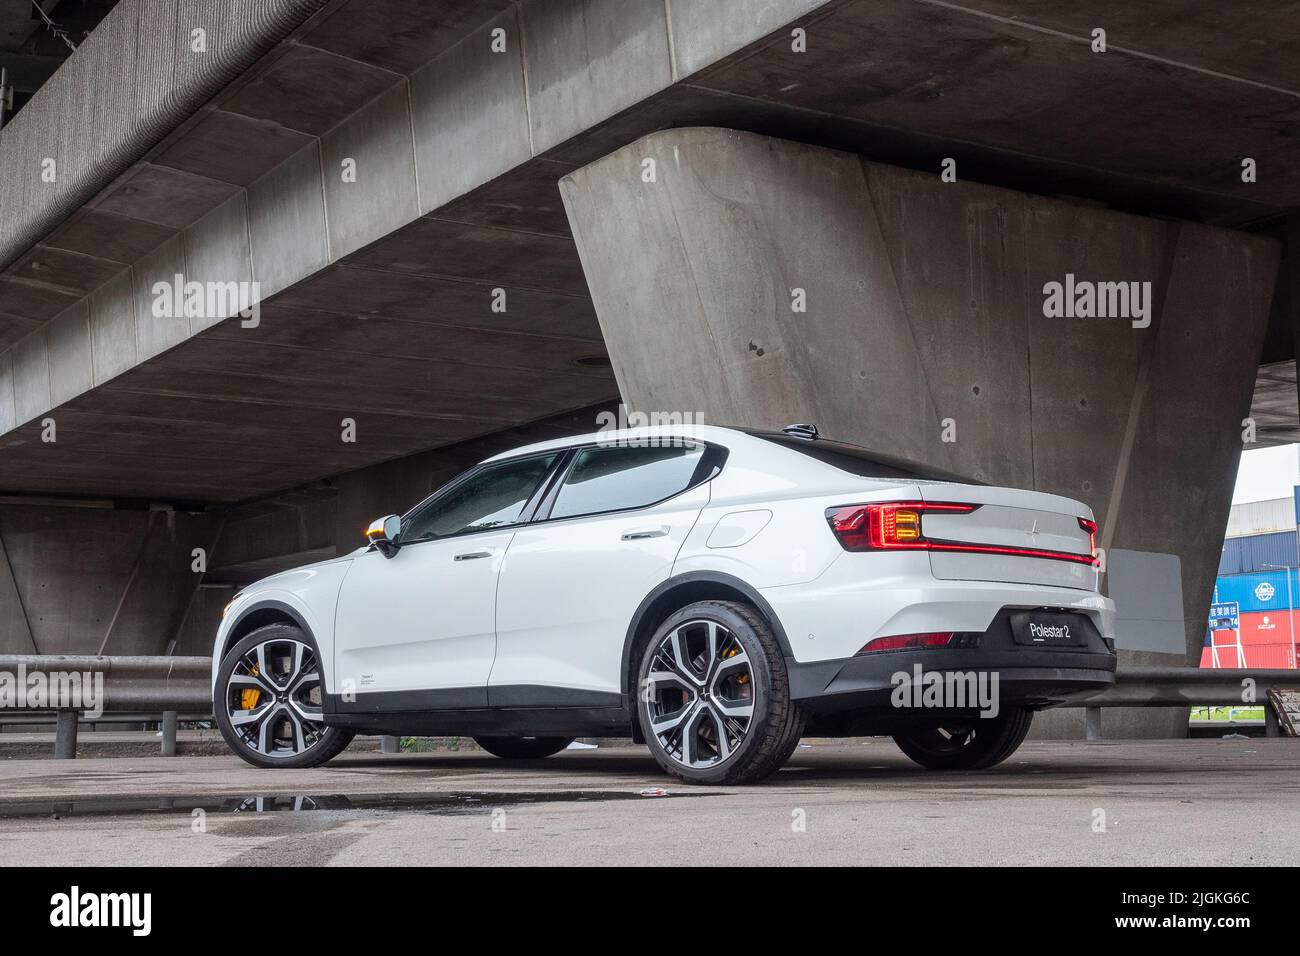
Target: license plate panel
[{"x": 1048, "y": 629}]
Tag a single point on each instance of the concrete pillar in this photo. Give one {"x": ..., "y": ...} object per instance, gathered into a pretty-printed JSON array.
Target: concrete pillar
[
  {"x": 390, "y": 744},
  {"x": 758, "y": 282}
]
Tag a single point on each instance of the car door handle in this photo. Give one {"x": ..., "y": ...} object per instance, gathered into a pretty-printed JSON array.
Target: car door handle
[
  {"x": 640, "y": 533},
  {"x": 471, "y": 555}
]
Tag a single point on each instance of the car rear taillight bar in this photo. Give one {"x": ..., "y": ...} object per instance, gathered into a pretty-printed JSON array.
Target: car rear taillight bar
[
  {"x": 896, "y": 526},
  {"x": 899, "y": 642}
]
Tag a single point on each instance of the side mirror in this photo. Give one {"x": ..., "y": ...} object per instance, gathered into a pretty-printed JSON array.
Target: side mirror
[{"x": 383, "y": 533}]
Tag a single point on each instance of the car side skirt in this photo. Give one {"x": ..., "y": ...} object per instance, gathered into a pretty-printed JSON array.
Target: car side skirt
[
  {"x": 523, "y": 710},
  {"x": 494, "y": 722}
]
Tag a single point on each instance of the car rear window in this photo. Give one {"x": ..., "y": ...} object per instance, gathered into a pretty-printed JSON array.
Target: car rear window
[
  {"x": 858, "y": 461},
  {"x": 621, "y": 477}
]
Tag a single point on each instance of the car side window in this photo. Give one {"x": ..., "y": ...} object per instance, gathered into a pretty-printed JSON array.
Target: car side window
[
  {"x": 618, "y": 477},
  {"x": 493, "y": 497}
]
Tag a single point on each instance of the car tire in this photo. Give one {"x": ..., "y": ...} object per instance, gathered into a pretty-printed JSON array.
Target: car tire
[
  {"x": 523, "y": 748},
  {"x": 285, "y": 735},
  {"x": 694, "y": 685},
  {"x": 975, "y": 744}
]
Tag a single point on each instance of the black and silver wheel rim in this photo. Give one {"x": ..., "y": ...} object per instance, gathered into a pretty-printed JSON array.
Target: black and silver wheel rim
[
  {"x": 273, "y": 699},
  {"x": 699, "y": 694}
]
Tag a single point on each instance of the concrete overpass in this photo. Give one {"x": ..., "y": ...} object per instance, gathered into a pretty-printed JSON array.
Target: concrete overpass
[{"x": 387, "y": 172}]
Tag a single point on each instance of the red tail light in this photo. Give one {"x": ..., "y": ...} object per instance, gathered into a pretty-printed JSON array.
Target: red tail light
[
  {"x": 897, "y": 526},
  {"x": 893, "y": 524},
  {"x": 1090, "y": 526},
  {"x": 896, "y": 642}
]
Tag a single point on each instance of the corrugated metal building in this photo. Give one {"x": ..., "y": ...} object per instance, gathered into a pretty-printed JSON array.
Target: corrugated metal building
[{"x": 1261, "y": 517}]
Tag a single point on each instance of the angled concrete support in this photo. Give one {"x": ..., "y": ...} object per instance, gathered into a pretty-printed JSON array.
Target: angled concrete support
[{"x": 758, "y": 282}]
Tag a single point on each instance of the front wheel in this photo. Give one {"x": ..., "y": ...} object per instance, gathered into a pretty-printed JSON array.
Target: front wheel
[
  {"x": 974, "y": 743},
  {"x": 268, "y": 700},
  {"x": 523, "y": 748},
  {"x": 714, "y": 698}
]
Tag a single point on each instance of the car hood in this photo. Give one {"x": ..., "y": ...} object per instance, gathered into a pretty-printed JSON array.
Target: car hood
[{"x": 288, "y": 579}]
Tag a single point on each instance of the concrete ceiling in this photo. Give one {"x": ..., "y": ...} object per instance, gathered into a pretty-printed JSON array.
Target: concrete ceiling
[
  {"x": 395, "y": 334},
  {"x": 396, "y": 337}
]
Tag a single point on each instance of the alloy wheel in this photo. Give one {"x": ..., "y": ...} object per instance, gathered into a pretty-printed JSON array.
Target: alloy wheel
[
  {"x": 700, "y": 693},
  {"x": 273, "y": 698}
]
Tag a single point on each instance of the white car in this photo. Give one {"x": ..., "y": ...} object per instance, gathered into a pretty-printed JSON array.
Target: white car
[{"x": 712, "y": 592}]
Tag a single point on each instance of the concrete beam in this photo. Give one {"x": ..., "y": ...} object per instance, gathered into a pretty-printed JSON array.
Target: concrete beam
[
  {"x": 130, "y": 82},
  {"x": 925, "y": 321},
  {"x": 346, "y": 216}
]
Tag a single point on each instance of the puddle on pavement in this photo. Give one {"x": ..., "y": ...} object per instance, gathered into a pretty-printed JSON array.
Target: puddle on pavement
[{"x": 428, "y": 803}]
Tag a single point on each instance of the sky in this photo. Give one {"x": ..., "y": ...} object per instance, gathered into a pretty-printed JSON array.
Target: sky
[{"x": 1267, "y": 473}]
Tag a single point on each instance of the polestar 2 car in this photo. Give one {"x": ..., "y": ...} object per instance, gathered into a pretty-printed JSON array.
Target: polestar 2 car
[{"x": 713, "y": 593}]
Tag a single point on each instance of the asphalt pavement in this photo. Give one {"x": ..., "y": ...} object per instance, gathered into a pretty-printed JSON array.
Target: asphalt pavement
[{"x": 1184, "y": 802}]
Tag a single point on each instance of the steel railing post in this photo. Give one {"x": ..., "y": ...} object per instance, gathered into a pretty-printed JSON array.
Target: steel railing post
[
  {"x": 65, "y": 735},
  {"x": 169, "y": 733},
  {"x": 1092, "y": 723}
]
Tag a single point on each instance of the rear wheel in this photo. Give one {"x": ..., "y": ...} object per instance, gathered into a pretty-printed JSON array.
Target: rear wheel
[
  {"x": 713, "y": 696},
  {"x": 268, "y": 700},
  {"x": 523, "y": 748},
  {"x": 974, "y": 743}
]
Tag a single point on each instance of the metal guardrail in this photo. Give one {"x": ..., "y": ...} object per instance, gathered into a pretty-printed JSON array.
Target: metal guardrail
[
  {"x": 165, "y": 685},
  {"x": 169, "y": 685},
  {"x": 1188, "y": 687}
]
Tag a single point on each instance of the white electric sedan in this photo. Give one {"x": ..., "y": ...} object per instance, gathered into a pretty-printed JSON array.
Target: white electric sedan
[{"x": 712, "y": 592}]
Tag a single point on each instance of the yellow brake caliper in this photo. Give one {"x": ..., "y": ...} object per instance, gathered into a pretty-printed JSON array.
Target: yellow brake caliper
[
  {"x": 740, "y": 678},
  {"x": 249, "y": 696}
]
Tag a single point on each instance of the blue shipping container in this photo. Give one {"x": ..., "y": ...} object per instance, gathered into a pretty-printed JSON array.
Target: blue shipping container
[
  {"x": 1261, "y": 591},
  {"x": 1255, "y": 552}
]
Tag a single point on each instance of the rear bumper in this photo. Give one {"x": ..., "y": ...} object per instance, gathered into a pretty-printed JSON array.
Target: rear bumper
[
  {"x": 1018, "y": 675},
  {"x": 865, "y": 595}
]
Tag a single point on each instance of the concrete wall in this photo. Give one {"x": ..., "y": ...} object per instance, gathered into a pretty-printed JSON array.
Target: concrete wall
[
  {"x": 924, "y": 308},
  {"x": 97, "y": 579}
]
